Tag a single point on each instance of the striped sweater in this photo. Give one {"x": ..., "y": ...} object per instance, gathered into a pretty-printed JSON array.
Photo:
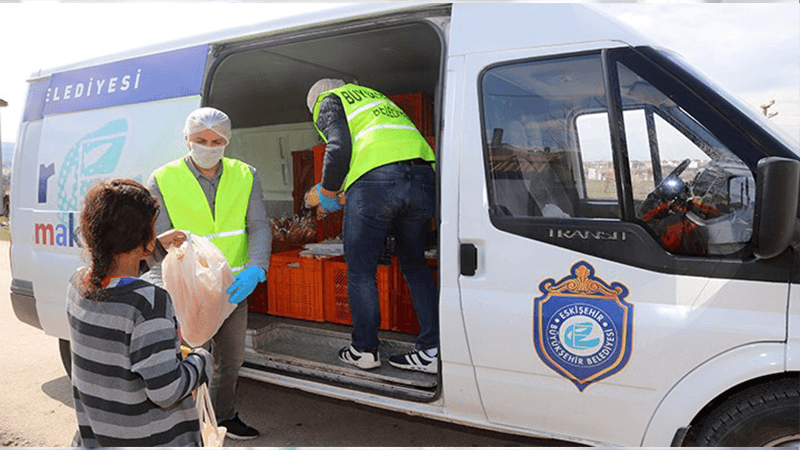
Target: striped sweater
[{"x": 130, "y": 385}]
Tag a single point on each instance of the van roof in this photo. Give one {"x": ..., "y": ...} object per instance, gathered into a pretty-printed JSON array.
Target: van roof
[
  {"x": 603, "y": 27},
  {"x": 233, "y": 34}
]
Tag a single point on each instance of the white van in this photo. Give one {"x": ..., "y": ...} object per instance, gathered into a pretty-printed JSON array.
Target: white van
[{"x": 616, "y": 234}]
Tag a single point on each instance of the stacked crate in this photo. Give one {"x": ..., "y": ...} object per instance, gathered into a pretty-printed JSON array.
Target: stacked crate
[
  {"x": 337, "y": 305},
  {"x": 419, "y": 108},
  {"x": 295, "y": 286},
  {"x": 404, "y": 319}
]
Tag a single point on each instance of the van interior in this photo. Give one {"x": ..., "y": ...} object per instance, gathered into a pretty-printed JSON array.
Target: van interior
[{"x": 262, "y": 84}]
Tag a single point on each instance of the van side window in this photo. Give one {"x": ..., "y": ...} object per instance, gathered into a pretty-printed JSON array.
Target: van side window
[
  {"x": 693, "y": 193},
  {"x": 537, "y": 166},
  {"x": 549, "y": 154}
]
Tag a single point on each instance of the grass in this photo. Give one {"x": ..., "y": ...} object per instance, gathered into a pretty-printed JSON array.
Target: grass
[{"x": 5, "y": 231}]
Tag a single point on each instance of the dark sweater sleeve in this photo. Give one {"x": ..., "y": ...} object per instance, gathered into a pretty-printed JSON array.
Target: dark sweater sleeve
[
  {"x": 332, "y": 122},
  {"x": 155, "y": 355}
]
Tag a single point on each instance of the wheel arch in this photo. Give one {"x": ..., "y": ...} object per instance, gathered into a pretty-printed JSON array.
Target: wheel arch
[
  {"x": 697, "y": 422},
  {"x": 699, "y": 391}
]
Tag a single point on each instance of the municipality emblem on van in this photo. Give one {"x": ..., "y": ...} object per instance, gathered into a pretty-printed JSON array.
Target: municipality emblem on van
[{"x": 582, "y": 326}]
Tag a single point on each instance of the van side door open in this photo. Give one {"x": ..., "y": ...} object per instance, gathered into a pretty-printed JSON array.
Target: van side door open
[{"x": 610, "y": 205}]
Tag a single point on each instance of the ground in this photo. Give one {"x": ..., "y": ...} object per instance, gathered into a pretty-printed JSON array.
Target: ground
[{"x": 12, "y": 440}]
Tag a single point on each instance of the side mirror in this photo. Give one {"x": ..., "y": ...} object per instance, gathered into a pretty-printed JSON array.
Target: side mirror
[{"x": 777, "y": 192}]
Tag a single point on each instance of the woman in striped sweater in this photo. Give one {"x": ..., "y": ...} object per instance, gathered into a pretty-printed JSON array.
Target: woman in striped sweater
[{"x": 130, "y": 385}]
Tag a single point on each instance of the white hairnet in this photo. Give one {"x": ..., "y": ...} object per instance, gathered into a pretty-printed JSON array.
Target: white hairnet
[
  {"x": 323, "y": 85},
  {"x": 208, "y": 119}
]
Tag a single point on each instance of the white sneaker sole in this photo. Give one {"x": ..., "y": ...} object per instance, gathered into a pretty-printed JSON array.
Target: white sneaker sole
[
  {"x": 239, "y": 438},
  {"x": 430, "y": 368},
  {"x": 362, "y": 365}
]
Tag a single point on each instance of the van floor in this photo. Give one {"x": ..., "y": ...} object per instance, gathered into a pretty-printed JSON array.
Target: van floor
[{"x": 309, "y": 350}]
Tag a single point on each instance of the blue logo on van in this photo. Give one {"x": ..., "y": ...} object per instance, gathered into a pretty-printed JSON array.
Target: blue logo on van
[
  {"x": 577, "y": 336},
  {"x": 582, "y": 326},
  {"x": 92, "y": 159}
]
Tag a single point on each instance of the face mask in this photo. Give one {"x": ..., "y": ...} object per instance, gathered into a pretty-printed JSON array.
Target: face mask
[
  {"x": 155, "y": 256},
  {"x": 204, "y": 156}
]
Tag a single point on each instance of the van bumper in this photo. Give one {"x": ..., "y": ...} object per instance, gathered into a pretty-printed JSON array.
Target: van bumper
[{"x": 24, "y": 303}]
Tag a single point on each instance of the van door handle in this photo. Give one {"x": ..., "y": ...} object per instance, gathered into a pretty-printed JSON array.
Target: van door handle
[{"x": 469, "y": 259}]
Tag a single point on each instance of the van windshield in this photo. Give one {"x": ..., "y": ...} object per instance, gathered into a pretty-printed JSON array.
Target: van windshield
[{"x": 776, "y": 131}]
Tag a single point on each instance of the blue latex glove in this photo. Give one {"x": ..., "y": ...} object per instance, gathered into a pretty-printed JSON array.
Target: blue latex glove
[
  {"x": 329, "y": 205},
  {"x": 244, "y": 283}
]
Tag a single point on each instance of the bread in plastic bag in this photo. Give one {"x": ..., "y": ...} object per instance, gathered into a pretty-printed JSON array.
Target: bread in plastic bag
[{"x": 196, "y": 275}]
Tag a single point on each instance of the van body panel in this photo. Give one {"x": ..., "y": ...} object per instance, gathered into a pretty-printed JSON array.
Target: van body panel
[
  {"x": 78, "y": 150},
  {"x": 118, "y": 119},
  {"x": 499, "y": 305},
  {"x": 21, "y": 205},
  {"x": 511, "y": 26},
  {"x": 701, "y": 385},
  {"x": 459, "y": 387},
  {"x": 793, "y": 330}
]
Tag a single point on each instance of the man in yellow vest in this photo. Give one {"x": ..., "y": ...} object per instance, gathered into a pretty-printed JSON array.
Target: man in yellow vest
[
  {"x": 375, "y": 154},
  {"x": 219, "y": 198}
]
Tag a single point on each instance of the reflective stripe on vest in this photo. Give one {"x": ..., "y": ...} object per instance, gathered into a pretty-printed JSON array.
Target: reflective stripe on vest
[
  {"x": 380, "y": 131},
  {"x": 188, "y": 207}
]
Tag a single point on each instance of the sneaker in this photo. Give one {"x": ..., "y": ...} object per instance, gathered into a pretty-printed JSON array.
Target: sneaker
[
  {"x": 415, "y": 360},
  {"x": 368, "y": 359},
  {"x": 236, "y": 429}
]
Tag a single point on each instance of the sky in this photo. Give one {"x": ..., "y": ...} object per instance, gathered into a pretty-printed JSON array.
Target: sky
[{"x": 752, "y": 50}]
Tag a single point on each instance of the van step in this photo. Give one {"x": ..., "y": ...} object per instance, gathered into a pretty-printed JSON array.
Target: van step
[{"x": 311, "y": 351}]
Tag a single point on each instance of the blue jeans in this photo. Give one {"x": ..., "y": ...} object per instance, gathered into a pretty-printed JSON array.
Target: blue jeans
[{"x": 401, "y": 197}]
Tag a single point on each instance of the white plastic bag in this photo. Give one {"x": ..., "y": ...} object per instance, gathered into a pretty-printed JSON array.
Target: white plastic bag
[
  {"x": 213, "y": 435},
  {"x": 196, "y": 275}
]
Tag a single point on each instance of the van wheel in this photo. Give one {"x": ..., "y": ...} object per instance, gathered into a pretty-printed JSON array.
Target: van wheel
[
  {"x": 66, "y": 356},
  {"x": 766, "y": 415}
]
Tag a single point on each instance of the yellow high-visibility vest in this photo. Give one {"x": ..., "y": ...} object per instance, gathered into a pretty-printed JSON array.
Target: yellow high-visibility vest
[
  {"x": 189, "y": 210},
  {"x": 380, "y": 132}
]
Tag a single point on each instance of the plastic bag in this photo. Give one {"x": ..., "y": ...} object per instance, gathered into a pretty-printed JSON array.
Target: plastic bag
[
  {"x": 196, "y": 275},
  {"x": 213, "y": 435}
]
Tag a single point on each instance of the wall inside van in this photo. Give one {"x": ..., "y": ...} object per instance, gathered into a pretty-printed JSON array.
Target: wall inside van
[{"x": 269, "y": 149}]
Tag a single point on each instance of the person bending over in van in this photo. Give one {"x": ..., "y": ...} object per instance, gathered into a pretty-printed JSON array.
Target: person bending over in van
[
  {"x": 385, "y": 166},
  {"x": 130, "y": 385},
  {"x": 221, "y": 199}
]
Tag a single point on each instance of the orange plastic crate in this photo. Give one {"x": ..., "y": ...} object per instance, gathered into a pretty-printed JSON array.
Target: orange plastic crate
[
  {"x": 330, "y": 226},
  {"x": 404, "y": 319},
  {"x": 257, "y": 300},
  {"x": 419, "y": 108},
  {"x": 294, "y": 286},
  {"x": 337, "y": 307},
  {"x": 319, "y": 157}
]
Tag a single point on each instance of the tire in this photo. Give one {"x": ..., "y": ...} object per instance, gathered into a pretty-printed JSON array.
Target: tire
[
  {"x": 66, "y": 356},
  {"x": 760, "y": 416}
]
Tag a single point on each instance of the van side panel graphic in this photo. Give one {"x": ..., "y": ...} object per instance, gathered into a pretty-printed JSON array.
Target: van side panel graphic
[
  {"x": 173, "y": 74},
  {"x": 96, "y": 154},
  {"x": 89, "y": 147}
]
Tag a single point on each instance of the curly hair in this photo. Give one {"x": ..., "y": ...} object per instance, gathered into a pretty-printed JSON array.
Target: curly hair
[{"x": 117, "y": 217}]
